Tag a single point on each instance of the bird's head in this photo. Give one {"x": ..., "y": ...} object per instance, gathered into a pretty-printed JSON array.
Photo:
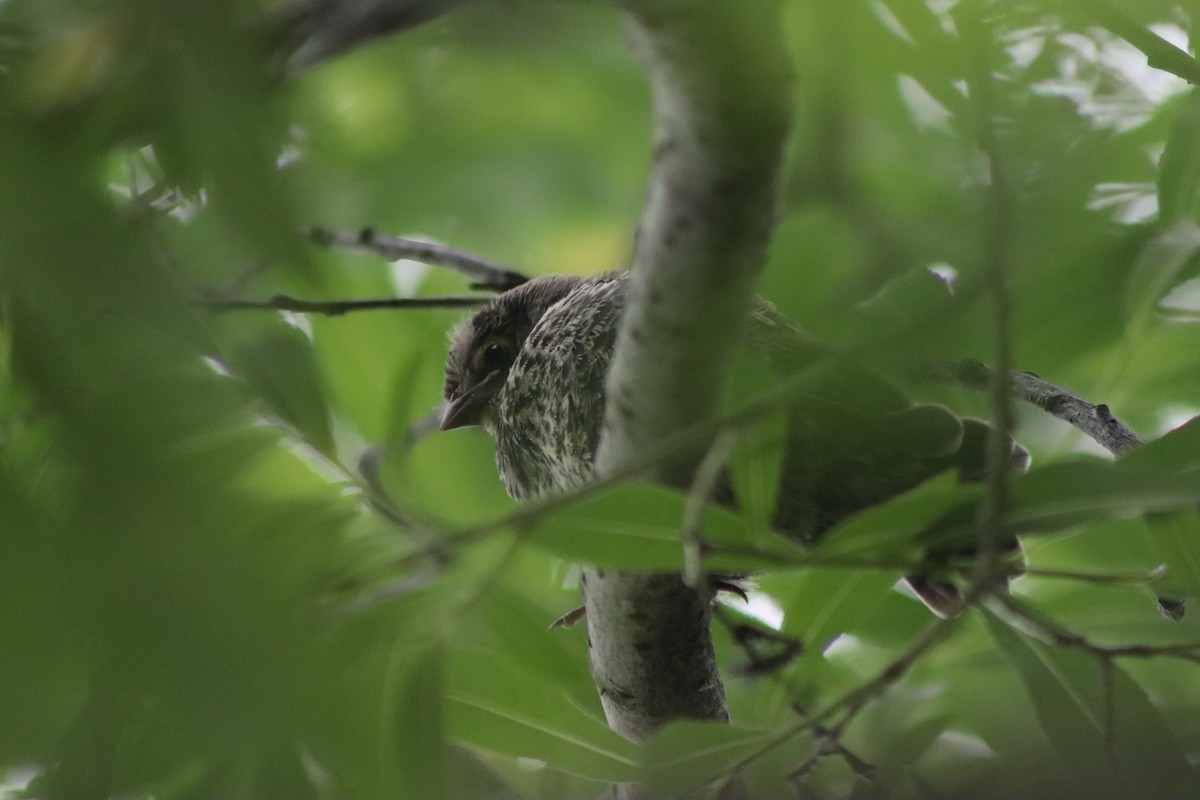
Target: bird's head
[{"x": 483, "y": 349}]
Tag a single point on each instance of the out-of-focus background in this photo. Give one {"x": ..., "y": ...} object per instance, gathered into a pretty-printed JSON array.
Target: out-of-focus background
[{"x": 202, "y": 597}]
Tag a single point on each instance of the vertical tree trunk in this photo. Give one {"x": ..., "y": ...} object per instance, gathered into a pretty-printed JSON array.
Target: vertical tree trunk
[{"x": 721, "y": 81}]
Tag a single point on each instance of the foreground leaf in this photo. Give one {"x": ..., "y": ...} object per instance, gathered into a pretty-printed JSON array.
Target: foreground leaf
[
  {"x": 640, "y": 527},
  {"x": 1072, "y": 493},
  {"x": 418, "y": 748},
  {"x": 1179, "y": 178},
  {"x": 686, "y": 756},
  {"x": 1097, "y": 718},
  {"x": 1175, "y": 541},
  {"x": 493, "y": 706},
  {"x": 1176, "y": 451},
  {"x": 889, "y": 530}
]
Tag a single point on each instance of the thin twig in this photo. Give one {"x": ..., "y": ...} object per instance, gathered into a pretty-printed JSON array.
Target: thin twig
[
  {"x": 1100, "y": 578},
  {"x": 307, "y": 32},
  {"x": 1061, "y": 637},
  {"x": 997, "y": 233},
  {"x": 1097, "y": 421},
  {"x": 335, "y": 308},
  {"x": 485, "y": 273},
  {"x": 708, "y": 474},
  {"x": 829, "y": 744},
  {"x": 853, "y": 702},
  {"x": 767, "y": 651},
  {"x": 1159, "y": 53}
]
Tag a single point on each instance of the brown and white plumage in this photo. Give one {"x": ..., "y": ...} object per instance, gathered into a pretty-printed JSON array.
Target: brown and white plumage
[{"x": 536, "y": 358}]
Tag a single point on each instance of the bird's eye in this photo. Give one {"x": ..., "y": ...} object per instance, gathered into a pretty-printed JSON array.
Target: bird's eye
[{"x": 495, "y": 356}]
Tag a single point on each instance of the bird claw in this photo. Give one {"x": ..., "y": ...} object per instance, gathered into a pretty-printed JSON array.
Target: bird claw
[
  {"x": 732, "y": 588},
  {"x": 569, "y": 619}
]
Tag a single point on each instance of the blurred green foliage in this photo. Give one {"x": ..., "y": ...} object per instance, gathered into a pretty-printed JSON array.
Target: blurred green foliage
[{"x": 202, "y": 597}]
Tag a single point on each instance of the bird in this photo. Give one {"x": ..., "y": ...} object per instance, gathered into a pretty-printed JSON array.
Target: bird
[{"x": 529, "y": 366}]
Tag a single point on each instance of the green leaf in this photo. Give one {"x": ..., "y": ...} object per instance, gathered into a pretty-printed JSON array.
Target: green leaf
[
  {"x": 908, "y": 299},
  {"x": 889, "y": 531},
  {"x": 416, "y": 739},
  {"x": 216, "y": 125},
  {"x": 365, "y": 357},
  {"x": 758, "y": 456},
  {"x": 686, "y": 756},
  {"x": 639, "y": 526},
  {"x": 934, "y": 57},
  {"x": 1098, "y": 719},
  {"x": 1178, "y": 450},
  {"x": 1070, "y": 492},
  {"x": 1175, "y": 541},
  {"x": 627, "y": 527},
  {"x": 819, "y": 605},
  {"x": 1179, "y": 168},
  {"x": 520, "y": 628},
  {"x": 406, "y": 406},
  {"x": 499, "y": 708},
  {"x": 278, "y": 363},
  {"x": 909, "y": 744},
  {"x": 831, "y": 602},
  {"x": 1160, "y": 266}
]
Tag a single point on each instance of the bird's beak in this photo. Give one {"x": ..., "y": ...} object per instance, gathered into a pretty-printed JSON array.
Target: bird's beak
[{"x": 467, "y": 407}]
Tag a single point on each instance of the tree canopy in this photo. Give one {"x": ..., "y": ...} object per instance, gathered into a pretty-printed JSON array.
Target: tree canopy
[{"x": 236, "y": 561}]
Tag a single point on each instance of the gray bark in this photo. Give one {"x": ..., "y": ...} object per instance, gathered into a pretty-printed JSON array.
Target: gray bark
[
  {"x": 721, "y": 81},
  {"x": 650, "y": 653},
  {"x": 1097, "y": 421}
]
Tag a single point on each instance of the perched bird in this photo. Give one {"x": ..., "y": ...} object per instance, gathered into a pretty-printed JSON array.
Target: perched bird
[{"x": 530, "y": 367}]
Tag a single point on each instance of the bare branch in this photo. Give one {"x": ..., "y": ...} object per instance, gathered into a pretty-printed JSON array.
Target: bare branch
[
  {"x": 308, "y": 32},
  {"x": 335, "y": 308},
  {"x": 1096, "y": 421},
  {"x": 485, "y": 273}
]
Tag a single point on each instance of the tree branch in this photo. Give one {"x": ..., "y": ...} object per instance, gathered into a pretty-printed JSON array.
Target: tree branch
[
  {"x": 485, "y": 273},
  {"x": 720, "y": 79},
  {"x": 335, "y": 308},
  {"x": 848, "y": 706},
  {"x": 305, "y": 33},
  {"x": 1187, "y": 651},
  {"x": 1097, "y": 421},
  {"x": 829, "y": 744}
]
